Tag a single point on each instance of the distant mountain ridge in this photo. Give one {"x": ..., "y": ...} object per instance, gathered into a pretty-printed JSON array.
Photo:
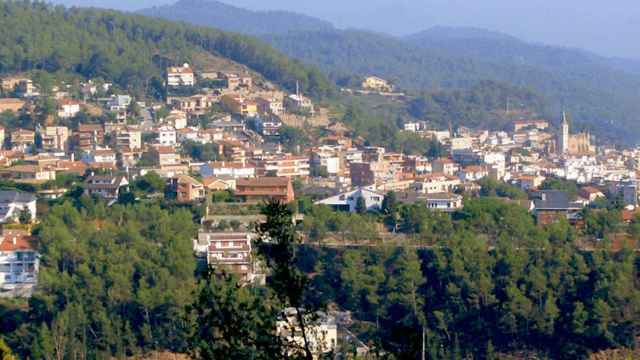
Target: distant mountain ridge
[
  {"x": 230, "y": 18},
  {"x": 598, "y": 91}
]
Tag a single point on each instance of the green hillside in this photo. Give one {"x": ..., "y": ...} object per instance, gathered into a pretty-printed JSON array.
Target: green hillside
[
  {"x": 595, "y": 91},
  {"x": 128, "y": 49}
]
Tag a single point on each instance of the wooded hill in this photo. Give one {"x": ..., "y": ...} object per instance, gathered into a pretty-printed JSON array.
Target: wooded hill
[
  {"x": 599, "y": 92},
  {"x": 130, "y": 50}
]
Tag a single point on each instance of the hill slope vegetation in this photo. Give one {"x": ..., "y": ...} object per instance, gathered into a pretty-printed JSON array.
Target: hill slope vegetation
[{"x": 128, "y": 49}]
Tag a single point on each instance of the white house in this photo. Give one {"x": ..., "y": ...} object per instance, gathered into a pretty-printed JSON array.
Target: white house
[
  {"x": 180, "y": 76},
  {"x": 19, "y": 264},
  {"x": 444, "y": 202},
  {"x": 231, "y": 169},
  {"x": 167, "y": 136},
  {"x": 321, "y": 332},
  {"x": 348, "y": 201},
  {"x": 326, "y": 157},
  {"x": 13, "y": 202},
  {"x": 68, "y": 108}
]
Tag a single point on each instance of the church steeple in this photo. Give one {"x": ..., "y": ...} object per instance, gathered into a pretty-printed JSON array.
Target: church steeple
[{"x": 563, "y": 139}]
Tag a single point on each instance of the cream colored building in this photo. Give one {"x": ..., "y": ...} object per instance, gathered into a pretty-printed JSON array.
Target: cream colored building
[{"x": 377, "y": 84}]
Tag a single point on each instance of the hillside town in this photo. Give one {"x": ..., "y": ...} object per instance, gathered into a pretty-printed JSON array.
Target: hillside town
[{"x": 220, "y": 148}]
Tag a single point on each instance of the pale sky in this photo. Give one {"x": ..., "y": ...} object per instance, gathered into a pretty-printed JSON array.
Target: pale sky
[{"x": 608, "y": 28}]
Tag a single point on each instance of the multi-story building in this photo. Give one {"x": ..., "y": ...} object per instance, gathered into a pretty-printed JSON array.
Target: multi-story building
[
  {"x": 260, "y": 189},
  {"x": 327, "y": 158},
  {"x": 239, "y": 105},
  {"x": 436, "y": 183},
  {"x": 165, "y": 156},
  {"x": 377, "y": 84},
  {"x": 100, "y": 158},
  {"x": 443, "y": 202},
  {"x": 129, "y": 138},
  {"x": 167, "y": 136},
  {"x": 105, "y": 186},
  {"x": 445, "y": 166},
  {"x": 284, "y": 166},
  {"x": 229, "y": 252},
  {"x": 27, "y": 173},
  {"x": 187, "y": 189},
  {"x": 271, "y": 106},
  {"x": 231, "y": 169},
  {"x": 23, "y": 140},
  {"x": 88, "y": 136},
  {"x": 19, "y": 263},
  {"x": 68, "y": 108},
  {"x": 195, "y": 105},
  {"x": 55, "y": 138},
  {"x": 180, "y": 76},
  {"x": 13, "y": 202}
]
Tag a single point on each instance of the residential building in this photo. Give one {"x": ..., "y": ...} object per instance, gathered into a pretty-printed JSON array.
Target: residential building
[
  {"x": 222, "y": 183},
  {"x": 19, "y": 264},
  {"x": 349, "y": 201},
  {"x": 552, "y": 205},
  {"x": 68, "y": 108},
  {"x": 180, "y": 76},
  {"x": 321, "y": 332},
  {"x": 55, "y": 139},
  {"x": 105, "y": 186},
  {"x": 167, "y": 136},
  {"x": 129, "y": 138},
  {"x": 445, "y": 166},
  {"x": 195, "y": 105},
  {"x": 11, "y": 105},
  {"x": 436, "y": 183},
  {"x": 187, "y": 189},
  {"x": 27, "y": 173},
  {"x": 271, "y": 106},
  {"x": 234, "y": 81},
  {"x": 268, "y": 125},
  {"x": 519, "y": 125},
  {"x": 100, "y": 158},
  {"x": 13, "y": 202},
  {"x": 283, "y": 166},
  {"x": 590, "y": 193},
  {"x": 233, "y": 170},
  {"x": 447, "y": 202},
  {"x": 256, "y": 190},
  {"x": 165, "y": 156},
  {"x": 88, "y": 136},
  {"x": 473, "y": 173},
  {"x": 327, "y": 157},
  {"x": 239, "y": 105},
  {"x": 229, "y": 252},
  {"x": 23, "y": 140},
  {"x": 176, "y": 119},
  {"x": 12, "y": 83},
  {"x": 300, "y": 103},
  {"x": 376, "y": 84}
]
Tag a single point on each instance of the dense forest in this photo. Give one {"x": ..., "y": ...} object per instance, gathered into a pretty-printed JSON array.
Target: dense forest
[
  {"x": 568, "y": 79},
  {"x": 122, "y": 280},
  {"x": 230, "y": 18},
  {"x": 130, "y": 50}
]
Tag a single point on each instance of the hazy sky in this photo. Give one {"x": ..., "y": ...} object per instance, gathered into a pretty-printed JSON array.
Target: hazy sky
[{"x": 609, "y": 28}]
